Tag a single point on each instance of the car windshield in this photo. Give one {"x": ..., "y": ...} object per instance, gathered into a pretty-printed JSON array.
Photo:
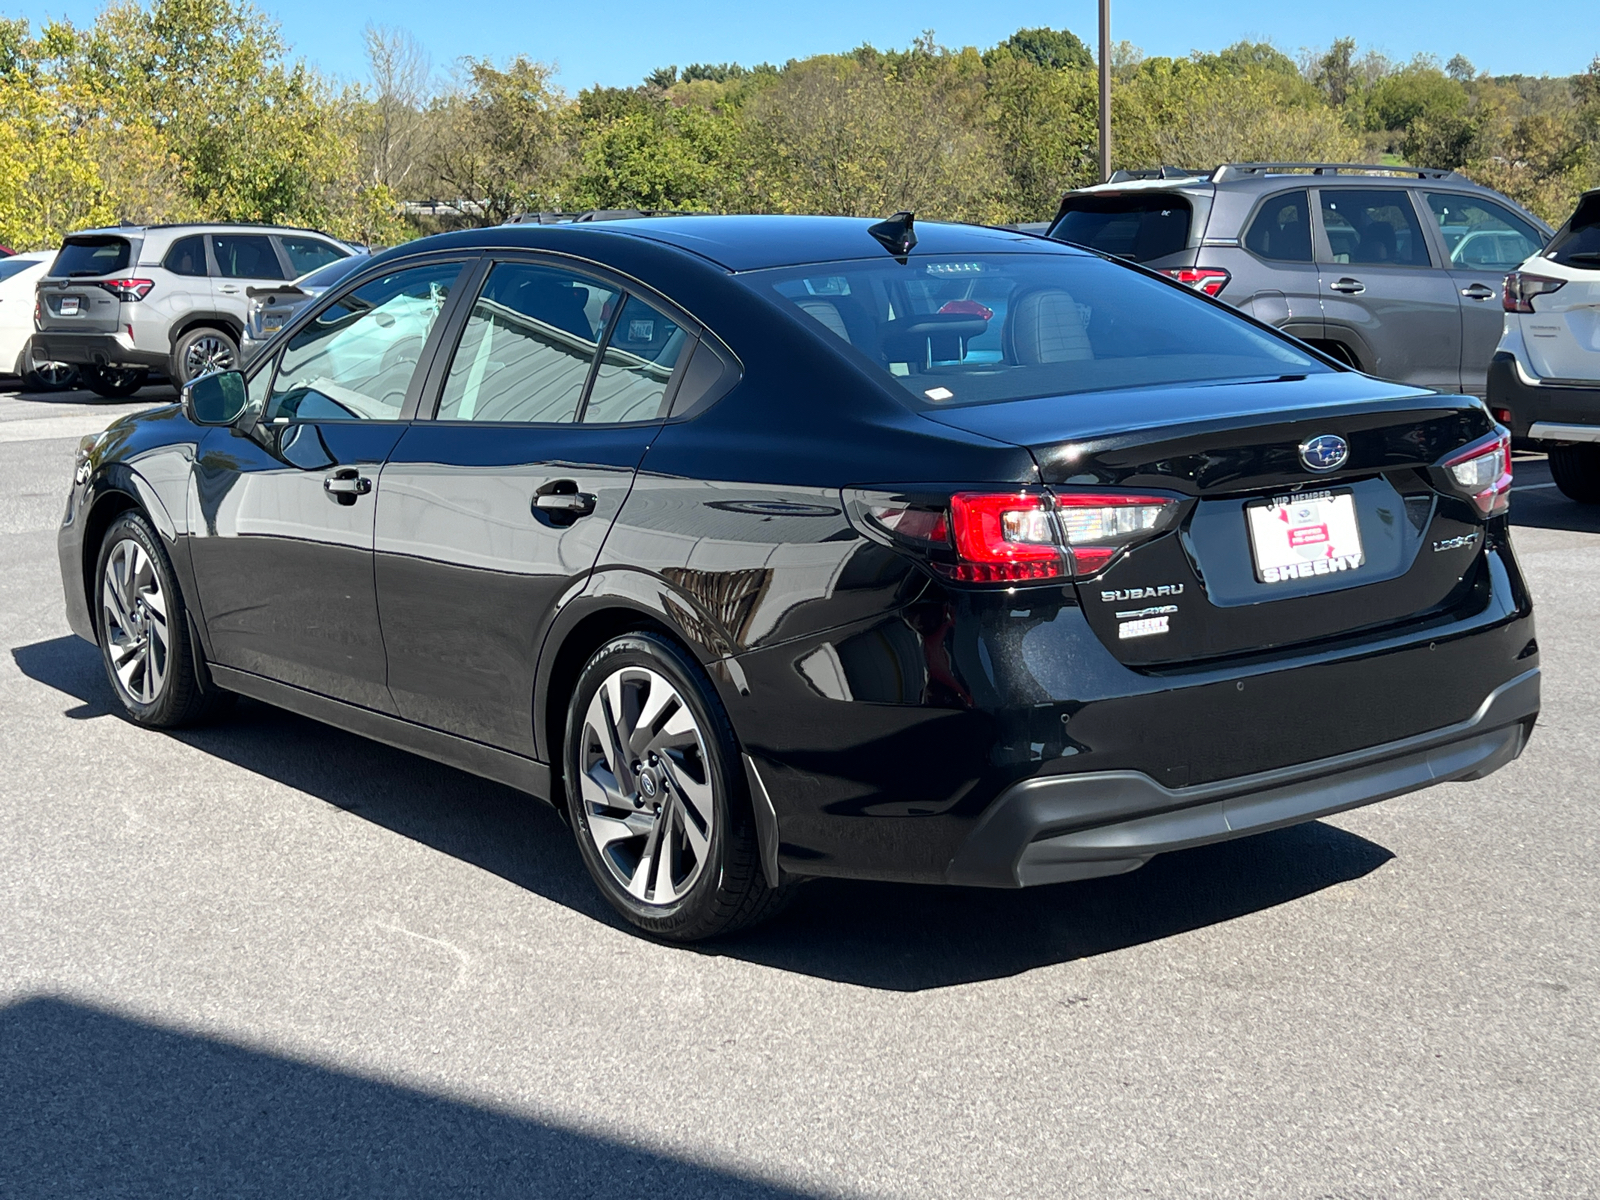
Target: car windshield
[
  {"x": 985, "y": 328},
  {"x": 1577, "y": 243},
  {"x": 15, "y": 266},
  {"x": 330, "y": 273}
]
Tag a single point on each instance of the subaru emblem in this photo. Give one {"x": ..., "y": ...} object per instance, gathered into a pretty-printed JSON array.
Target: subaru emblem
[{"x": 1325, "y": 452}]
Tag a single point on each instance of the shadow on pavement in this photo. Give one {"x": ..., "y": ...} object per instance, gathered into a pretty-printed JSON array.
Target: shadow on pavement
[
  {"x": 96, "y": 1104},
  {"x": 1536, "y": 503},
  {"x": 897, "y": 937}
]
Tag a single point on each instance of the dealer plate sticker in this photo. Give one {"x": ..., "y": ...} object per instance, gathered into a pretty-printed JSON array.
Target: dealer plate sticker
[
  {"x": 1304, "y": 536},
  {"x": 69, "y": 306}
]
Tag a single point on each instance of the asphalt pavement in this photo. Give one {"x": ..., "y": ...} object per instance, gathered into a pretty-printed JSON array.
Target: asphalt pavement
[{"x": 266, "y": 958}]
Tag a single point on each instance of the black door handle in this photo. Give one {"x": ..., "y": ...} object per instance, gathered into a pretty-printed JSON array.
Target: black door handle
[
  {"x": 345, "y": 484},
  {"x": 1478, "y": 291},
  {"x": 1353, "y": 287}
]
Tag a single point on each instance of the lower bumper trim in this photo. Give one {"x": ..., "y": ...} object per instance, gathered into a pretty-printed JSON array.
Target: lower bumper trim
[
  {"x": 1052, "y": 829},
  {"x": 1555, "y": 432}
]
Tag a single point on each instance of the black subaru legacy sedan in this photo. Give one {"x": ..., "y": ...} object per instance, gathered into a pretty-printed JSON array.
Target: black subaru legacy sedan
[{"x": 776, "y": 547}]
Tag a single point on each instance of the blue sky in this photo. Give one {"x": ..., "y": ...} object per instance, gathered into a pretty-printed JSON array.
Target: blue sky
[{"x": 619, "y": 41}]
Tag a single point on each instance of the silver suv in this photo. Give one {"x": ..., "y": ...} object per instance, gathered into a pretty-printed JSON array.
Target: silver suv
[
  {"x": 120, "y": 302},
  {"x": 1394, "y": 270}
]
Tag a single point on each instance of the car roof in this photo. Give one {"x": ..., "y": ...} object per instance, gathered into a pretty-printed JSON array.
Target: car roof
[
  {"x": 753, "y": 243},
  {"x": 231, "y": 226}
]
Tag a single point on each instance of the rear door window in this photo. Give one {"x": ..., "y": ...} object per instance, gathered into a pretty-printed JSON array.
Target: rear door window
[
  {"x": 631, "y": 382},
  {"x": 1377, "y": 227},
  {"x": 187, "y": 257},
  {"x": 1141, "y": 226},
  {"x": 1481, "y": 235},
  {"x": 92, "y": 256},
  {"x": 1282, "y": 229},
  {"x": 246, "y": 256},
  {"x": 307, "y": 253}
]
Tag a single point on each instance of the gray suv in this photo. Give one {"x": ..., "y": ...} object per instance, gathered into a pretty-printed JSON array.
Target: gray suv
[
  {"x": 119, "y": 302},
  {"x": 1395, "y": 270}
]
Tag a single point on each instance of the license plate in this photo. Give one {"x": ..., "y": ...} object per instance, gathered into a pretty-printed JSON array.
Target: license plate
[
  {"x": 68, "y": 306},
  {"x": 1305, "y": 536},
  {"x": 271, "y": 323}
]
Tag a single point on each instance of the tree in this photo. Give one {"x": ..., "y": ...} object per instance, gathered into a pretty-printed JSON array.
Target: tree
[
  {"x": 395, "y": 128},
  {"x": 1054, "y": 49},
  {"x": 501, "y": 144}
]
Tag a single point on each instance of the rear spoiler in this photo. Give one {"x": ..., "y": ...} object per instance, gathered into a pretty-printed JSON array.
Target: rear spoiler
[{"x": 285, "y": 290}]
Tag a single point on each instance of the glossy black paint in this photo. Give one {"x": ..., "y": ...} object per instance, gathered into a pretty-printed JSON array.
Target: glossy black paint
[{"x": 883, "y": 708}]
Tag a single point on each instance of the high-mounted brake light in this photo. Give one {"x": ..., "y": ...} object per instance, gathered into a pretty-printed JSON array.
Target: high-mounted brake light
[
  {"x": 128, "y": 288},
  {"x": 1209, "y": 280},
  {"x": 1519, "y": 289},
  {"x": 1483, "y": 472}
]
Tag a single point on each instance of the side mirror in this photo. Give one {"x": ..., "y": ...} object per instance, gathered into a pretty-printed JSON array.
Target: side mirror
[{"x": 216, "y": 399}]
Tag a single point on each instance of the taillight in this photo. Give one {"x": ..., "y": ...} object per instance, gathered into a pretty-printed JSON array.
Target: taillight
[
  {"x": 1483, "y": 472},
  {"x": 1519, "y": 289},
  {"x": 128, "y": 289},
  {"x": 1209, "y": 280},
  {"x": 1100, "y": 525},
  {"x": 1004, "y": 538}
]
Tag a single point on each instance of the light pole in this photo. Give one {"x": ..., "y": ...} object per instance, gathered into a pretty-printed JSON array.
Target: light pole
[{"x": 1105, "y": 90}]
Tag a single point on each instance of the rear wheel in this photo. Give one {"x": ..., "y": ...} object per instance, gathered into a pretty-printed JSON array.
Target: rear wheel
[
  {"x": 202, "y": 351},
  {"x": 46, "y": 375},
  {"x": 143, "y": 628},
  {"x": 114, "y": 383},
  {"x": 657, "y": 796},
  {"x": 1576, "y": 470}
]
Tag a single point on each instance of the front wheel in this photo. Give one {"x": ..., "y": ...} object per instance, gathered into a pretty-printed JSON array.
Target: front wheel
[
  {"x": 114, "y": 383},
  {"x": 657, "y": 795},
  {"x": 1576, "y": 470},
  {"x": 143, "y": 628}
]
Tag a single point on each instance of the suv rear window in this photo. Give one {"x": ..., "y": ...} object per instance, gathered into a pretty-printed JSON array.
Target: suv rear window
[
  {"x": 991, "y": 327},
  {"x": 89, "y": 256},
  {"x": 1577, "y": 243},
  {"x": 1140, "y": 225}
]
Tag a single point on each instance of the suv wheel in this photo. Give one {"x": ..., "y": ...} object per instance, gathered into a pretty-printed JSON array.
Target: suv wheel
[
  {"x": 1576, "y": 470},
  {"x": 657, "y": 796},
  {"x": 114, "y": 383},
  {"x": 143, "y": 627},
  {"x": 47, "y": 376},
  {"x": 202, "y": 351}
]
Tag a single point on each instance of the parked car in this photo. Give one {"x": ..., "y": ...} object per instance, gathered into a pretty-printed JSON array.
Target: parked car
[
  {"x": 118, "y": 303},
  {"x": 18, "y": 275},
  {"x": 1394, "y": 270},
  {"x": 1544, "y": 382},
  {"x": 272, "y": 306},
  {"x": 773, "y": 547}
]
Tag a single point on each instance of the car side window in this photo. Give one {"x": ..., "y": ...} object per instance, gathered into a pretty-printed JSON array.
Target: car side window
[
  {"x": 245, "y": 256},
  {"x": 640, "y": 355},
  {"x": 1282, "y": 229},
  {"x": 355, "y": 359},
  {"x": 307, "y": 254},
  {"x": 527, "y": 346},
  {"x": 1376, "y": 226},
  {"x": 1482, "y": 235},
  {"x": 187, "y": 257}
]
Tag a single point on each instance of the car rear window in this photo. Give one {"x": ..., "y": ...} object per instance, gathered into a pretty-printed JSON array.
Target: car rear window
[
  {"x": 1577, "y": 243},
  {"x": 15, "y": 266},
  {"x": 985, "y": 328},
  {"x": 90, "y": 256},
  {"x": 1142, "y": 226}
]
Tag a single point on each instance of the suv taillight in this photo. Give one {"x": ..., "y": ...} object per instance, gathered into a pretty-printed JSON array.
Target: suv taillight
[
  {"x": 1209, "y": 280},
  {"x": 1024, "y": 536},
  {"x": 1483, "y": 472},
  {"x": 1519, "y": 289},
  {"x": 128, "y": 289}
]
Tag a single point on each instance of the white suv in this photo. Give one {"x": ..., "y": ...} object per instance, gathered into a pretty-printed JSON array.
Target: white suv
[
  {"x": 118, "y": 302},
  {"x": 1544, "y": 380}
]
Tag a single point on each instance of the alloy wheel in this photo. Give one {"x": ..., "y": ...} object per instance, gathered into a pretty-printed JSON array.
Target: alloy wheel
[
  {"x": 138, "y": 639},
  {"x": 645, "y": 784},
  {"x": 206, "y": 354},
  {"x": 54, "y": 374}
]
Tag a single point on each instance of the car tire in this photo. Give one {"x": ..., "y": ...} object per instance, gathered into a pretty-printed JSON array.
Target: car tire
[
  {"x": 1576, "y": 470},
  {"x": 630, "y": 792},
  {"x": 46, "y": 376},
  {"x": 202, "y": 351},
  {"x": 143, "y": 626},
  {"x": 114, "y": 383}
]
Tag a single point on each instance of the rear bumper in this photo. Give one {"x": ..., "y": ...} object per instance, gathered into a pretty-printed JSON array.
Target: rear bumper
[
  {"x": 1543, "y": 413},
  {"x": 94, "y": 350},
  {"x": 1054, "y": 829}
]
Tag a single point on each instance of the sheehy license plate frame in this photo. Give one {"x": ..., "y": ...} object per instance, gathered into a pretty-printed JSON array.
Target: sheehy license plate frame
[{"x": 1305, "y": 536}]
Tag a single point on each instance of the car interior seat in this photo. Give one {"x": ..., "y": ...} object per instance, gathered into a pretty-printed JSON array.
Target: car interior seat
[
  {"x": 1377, "y": 244},
  {"x": 1046, "y": 326}
]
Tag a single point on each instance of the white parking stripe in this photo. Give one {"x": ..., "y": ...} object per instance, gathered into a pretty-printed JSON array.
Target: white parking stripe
[
  {"x": 39, "y": 429},
  {"x": 1533, "y": 487}
]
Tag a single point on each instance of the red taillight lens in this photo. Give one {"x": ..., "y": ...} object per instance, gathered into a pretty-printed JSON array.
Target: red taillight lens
[
  {"x": 1519, "y": 289},
  {"x": 1209, "y": 280},
  {"x": 1004, "y": 538},
  {"x": 1483, "y": 472},
  {"x": 128, "y": 289}
]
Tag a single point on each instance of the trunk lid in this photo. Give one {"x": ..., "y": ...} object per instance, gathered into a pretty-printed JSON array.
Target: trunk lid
[
  {"x": 70, "y": 295},
  {"x": 1208, "y": 587}
]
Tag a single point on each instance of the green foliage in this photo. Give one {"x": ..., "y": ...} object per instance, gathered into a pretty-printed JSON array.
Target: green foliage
[{"x": 1054, "y": 49}]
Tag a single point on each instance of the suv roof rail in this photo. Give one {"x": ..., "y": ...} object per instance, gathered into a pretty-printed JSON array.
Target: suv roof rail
[
  {"x": 592, "y": 214},
  {"x": 1325, "y": 168},
  {"x": 1162, "y": 172}
]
